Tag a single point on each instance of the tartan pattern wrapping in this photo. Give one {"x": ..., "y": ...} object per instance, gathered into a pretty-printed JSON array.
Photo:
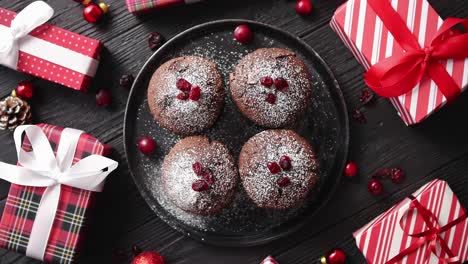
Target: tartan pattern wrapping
[
  {"x": 70, "y": 220},
  {"x": 143, "y": 5}
]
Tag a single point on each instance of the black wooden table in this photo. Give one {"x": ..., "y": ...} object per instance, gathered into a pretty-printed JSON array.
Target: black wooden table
[{"x": 437, "y": 148}]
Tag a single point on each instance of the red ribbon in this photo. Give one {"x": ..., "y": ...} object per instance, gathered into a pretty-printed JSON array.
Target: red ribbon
[
  {"x": 430, "y": 236},
  {"x": 399, "y": 74}
]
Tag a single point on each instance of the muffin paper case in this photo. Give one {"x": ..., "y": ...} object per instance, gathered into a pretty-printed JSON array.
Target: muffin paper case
[
  {"x": 45, "y": 51},
  {"x": 414, "y": 57},
  {"x": 146, "y": 5},
  {"x": 53, "y": 187},
  {"x": 430, "y": 226}
]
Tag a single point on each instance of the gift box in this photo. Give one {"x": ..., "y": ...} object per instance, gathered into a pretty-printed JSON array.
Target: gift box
[
  {"x": 147, "y": 5},
  {"x": 430, "y": 226},
  {"x": 269, "y": 260},
  {"x": 29, "y": 224},
  {"x": 377, "y": 30},
  {"x": 46, "y": 51}
]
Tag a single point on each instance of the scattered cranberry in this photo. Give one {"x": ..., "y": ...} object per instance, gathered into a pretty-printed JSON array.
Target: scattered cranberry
[
  {"x": 126, "y": 81},
  {"x": 397, "y": 175},
  {"x": 281, "y": 84},
  {"x": 182, "y": 96},
  {"x": 359, "y": 116},
  {"x": 148, "y": 257},
  {"x": 243, "y": 34},
  {"x": 382, "y": 173},
  {"x": 351, "y": 169},
  {"x": 136, "y": 250},
  {"x": 146, "y": 145},
  {"x": 199, "y": 186},
  {"x": 183, "y": 85},
  {"x": 375, "y": 187},
  {"x": 271, "y": 98},
  {"x": 24, "y": 90},
  {"x": 103, "y": 98},
  {"x": 336, "y": 256},
  {"x": 197, "y": 168},
  {"x": 304, "y": 7},
  {"x": 154, "y": 40},
  {"x": 283, "y": 182},
  {"x": 366, "y": 96},
  {"x": 195, "y": 93},
  {"x": 285, "y": 163},
  {"x": 273, "y": 167},
  {"x": 208, "y": 177},
  {"x": 266, "y": 81}
]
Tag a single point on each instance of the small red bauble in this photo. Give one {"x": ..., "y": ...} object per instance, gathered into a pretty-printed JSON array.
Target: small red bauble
[
  {"x": 24, "y": 90},
  {"x": 148, "y": 257},
  {"x": 92, "y": 13},
  {"x": 146, "y": 145},
  {"x": 243, "y": 34},
  {"x": 375, "y": 187},
  {"x": 336, "y": 256},
  {"x": 351, "y": 169},
  {"x": 103, "y": 98},
  {"x": 304, "y": 7}
]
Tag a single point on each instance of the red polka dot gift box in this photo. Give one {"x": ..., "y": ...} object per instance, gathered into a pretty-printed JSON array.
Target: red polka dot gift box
[
  {"x": 29, "y": 45},
  {"x": 412, "y": 57}
]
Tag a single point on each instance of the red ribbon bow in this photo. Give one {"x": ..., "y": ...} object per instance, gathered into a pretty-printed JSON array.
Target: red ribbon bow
[
  {"x": 431, "y": 235},
  {"x": 399, "y": 74}
]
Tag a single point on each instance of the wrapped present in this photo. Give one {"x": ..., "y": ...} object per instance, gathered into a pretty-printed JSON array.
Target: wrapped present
[
  {"x": 53, "y": 186},
  {"x": 45, "y": 51},
  {"x": 147, "y": 5},
  {"x": 269, "y": 260},
  {"x": 413, "y": 57},
  {"x": 430, "y": 226}
]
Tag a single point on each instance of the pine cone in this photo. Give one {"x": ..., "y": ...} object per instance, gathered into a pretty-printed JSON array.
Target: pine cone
[{"x": 14, "y": 112}]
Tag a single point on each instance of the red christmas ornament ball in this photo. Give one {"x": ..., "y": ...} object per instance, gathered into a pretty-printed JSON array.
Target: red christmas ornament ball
[
  {"x": 103, "y": 98},
  {"x": 148, "y": 257},
  {"x": 24, "y": 90},
  {"x": 336, "y": 256},
  {"x": 351, "y": 169},
  {"x": 243, "y": 34},
  {"x": 146, "y": 145},
  {"x": 304, "y": 7},
  {"x": 92, "y": 13},
  {"x": 375, "y": 187}
]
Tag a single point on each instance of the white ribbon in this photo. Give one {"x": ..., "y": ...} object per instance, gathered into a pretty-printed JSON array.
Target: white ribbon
[
  {"x": 16, "y": 38},
  {"x": 34, "y": 15},
  {"x": 41, "y": 168}
]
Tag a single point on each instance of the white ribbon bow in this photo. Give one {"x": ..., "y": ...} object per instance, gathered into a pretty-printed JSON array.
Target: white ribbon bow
[
  {"x": 25, "y": 21},
  {"x": 41, "y": 168}
]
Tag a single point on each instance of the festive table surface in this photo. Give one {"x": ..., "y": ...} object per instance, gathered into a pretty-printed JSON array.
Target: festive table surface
[{"x": 437, "y": 148}]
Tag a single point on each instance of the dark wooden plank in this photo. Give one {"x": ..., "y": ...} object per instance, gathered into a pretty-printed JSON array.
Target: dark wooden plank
[{"x": 437, "y": 148}]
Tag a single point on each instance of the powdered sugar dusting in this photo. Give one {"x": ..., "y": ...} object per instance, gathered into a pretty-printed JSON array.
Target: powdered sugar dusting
[{"x": 261, "y": 185}]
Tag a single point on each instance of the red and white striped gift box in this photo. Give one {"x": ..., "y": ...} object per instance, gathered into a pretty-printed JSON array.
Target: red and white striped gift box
[
  {"x": 57, "y": 55},
  {"x": 367, "y": 37},
  {"x": 269, "y": 260},
  {"x": 384, "y": 238}
]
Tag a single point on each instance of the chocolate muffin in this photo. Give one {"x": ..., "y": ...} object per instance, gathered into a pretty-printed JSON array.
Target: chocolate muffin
[
  {"x": 278, "y": 168},
  {"x": 199, "y": 176},
  {"x": 271, "y": 87},
  {"x": 186, "y": 94}
]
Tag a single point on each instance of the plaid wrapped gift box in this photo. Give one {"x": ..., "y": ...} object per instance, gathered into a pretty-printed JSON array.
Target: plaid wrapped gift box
[
  {"x": 72, "y": 212},
  {"x": 145, "y": 5}
]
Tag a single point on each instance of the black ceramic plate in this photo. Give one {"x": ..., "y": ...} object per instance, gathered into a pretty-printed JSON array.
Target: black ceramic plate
[{"x": 325, "y": 125}]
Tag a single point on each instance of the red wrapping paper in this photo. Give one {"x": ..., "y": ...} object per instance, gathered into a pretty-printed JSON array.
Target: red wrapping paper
[
  {"x": 72, "y": 212},
  {"x": 387, "y": 235},
  {"x": 363, "y": 32},
  {"x": 147, "y": 5},
  {"x": 61, "y": 70}
]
